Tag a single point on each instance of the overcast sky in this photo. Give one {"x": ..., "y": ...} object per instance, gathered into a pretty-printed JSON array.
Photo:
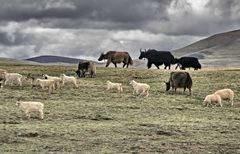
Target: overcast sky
[{"x": 86, "y": 28}]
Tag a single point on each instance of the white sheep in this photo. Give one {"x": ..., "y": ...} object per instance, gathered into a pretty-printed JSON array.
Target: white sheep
[
  {"x": 11, "y": 78},
  {"x": 212, "y": 98},
  {"x": 140, "y": 88},
  {"x": 29, "y": 107},
  {"x": 56, "y": 79},
  {"x": 45, "y": 84},
  {"x": 68, "y": 79},
  {"x": 117, "y": 86},
  {"x": 226, "y": 94}
]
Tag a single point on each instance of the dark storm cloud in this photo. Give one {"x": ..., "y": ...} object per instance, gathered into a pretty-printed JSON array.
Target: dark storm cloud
[
  {"x": 111, "y": 14},
  {"x": 80, "y": 28}
]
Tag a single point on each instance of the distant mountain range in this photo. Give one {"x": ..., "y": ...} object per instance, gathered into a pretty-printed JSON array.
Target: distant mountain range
[{"x": 218, "y": 50}]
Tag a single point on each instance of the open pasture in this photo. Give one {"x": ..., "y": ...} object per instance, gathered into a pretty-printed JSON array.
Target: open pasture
[{"x": 91, "y": 119}]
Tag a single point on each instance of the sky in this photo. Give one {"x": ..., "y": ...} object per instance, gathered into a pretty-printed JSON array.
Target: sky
[{"x": 87, "y": 28}]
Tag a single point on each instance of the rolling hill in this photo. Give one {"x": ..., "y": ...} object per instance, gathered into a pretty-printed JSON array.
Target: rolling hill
[
  {"x": 222, "y": 49},
  {"x": 54, "y": 59}
]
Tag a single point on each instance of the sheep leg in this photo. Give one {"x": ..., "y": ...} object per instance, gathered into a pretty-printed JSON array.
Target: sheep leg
[
  {"x": 121, "y": 89},
  {"x": 137, "y": 92},
  {"x": 41, "y": 115},
  {"x": 6, "y": 82},
  {"x": 147, "y": 93},
  {"x": 143, "y": 92},
  {"x": 75, "y": 83},
  {"x": 20, "y": 82},
  {"x": 231, "y": 100},
  {"x": 220, "y": 102},
  {"x": 27, "y": 115},
  {"x": 133, "y": 91}
]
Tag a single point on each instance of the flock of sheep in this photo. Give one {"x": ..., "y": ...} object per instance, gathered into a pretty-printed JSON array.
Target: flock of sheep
[{"x": 51, "y": 83}]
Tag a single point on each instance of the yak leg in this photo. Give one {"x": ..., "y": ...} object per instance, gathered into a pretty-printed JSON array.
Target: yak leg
[
  {"x": 149, "y": 65},
  {"x": 190, "y": 91},
  {"x": 157, "y": 66},
  {"x": 127, "y": 65},
  {"x": 108, "y": 62},
  {"x": 178, "y": 65},
  {"x": 115, "y": 64},
  {"x": 165, "y": 66},
  {"x": 124, "y": 64}
]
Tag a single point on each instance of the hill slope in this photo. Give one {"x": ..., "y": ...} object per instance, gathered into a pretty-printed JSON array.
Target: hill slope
[
  {"x": 54, "y": 59},
  {"x": 15, "y": 61},
  {"x": 219, "y": 49}
]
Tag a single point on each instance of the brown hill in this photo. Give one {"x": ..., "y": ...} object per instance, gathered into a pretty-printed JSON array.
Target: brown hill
[{"x": 218, "y": 50}]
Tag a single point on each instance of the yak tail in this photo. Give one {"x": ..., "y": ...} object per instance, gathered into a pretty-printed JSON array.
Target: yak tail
[
  {"x": 189, "y": 80},
  {"x": 130, "y": 61}
]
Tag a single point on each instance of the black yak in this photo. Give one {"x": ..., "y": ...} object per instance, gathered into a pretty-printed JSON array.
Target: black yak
[
  {"x": 84, "y": 67},
  {"x": 187, "y": 62},
  {"x": 157, "y": 58}
]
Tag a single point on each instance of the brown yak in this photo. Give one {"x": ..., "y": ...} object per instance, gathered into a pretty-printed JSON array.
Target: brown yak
[{"x": 116, "y": 57}]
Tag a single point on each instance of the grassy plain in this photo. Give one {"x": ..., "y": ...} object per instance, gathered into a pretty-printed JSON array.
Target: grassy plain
[{"x": 90, "y": 120}]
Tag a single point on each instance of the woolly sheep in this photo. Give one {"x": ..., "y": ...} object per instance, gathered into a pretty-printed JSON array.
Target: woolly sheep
[
  {"x": 117, "y": 86},
  {"x": 212, "y": 98},
  {"x": 68, "y": 79},
  {"x": 140, "y": 88},
  {"x": 226, "y": 94},
  {"x": 29, "y": 107},
  {"x": 46, "y": 83},
  {"x": 57, "y": 80},
  {"x": 11, "y": 78}
]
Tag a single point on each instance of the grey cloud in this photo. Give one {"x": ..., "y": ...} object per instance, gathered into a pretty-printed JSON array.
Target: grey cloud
[
  {"x": 123, "y": 12},
  {"x": 80, "y": 28}
]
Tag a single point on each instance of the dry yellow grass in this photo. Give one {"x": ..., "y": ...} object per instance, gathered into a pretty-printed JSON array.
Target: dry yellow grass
[{"x": 89, "y": 119}]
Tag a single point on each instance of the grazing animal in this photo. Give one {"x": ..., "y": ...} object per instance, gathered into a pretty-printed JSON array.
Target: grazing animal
[
  {"x": 117, "y": 57},
  {"x": 187, "y": 62},
  {"x": 2, "y": 77},
  {"x": 45, "y": 84},
  {"x": 140, "y": 88},
  {"x": 157, "y": 58},
  {"x": 179, "y": 80},
  {"x": 57, "y": 80},
  {"x": 30, "y": 107},
  {"x": 86, "y": 66},
  {"x": 226, "y": 94},
  {"x": 213, "y": 98},
  {"x": 117, "y": 86},
  {"x": 11, "y": 78},
  {"x": 32, "y": 78},
  {"x": 68, "y": 79}
]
